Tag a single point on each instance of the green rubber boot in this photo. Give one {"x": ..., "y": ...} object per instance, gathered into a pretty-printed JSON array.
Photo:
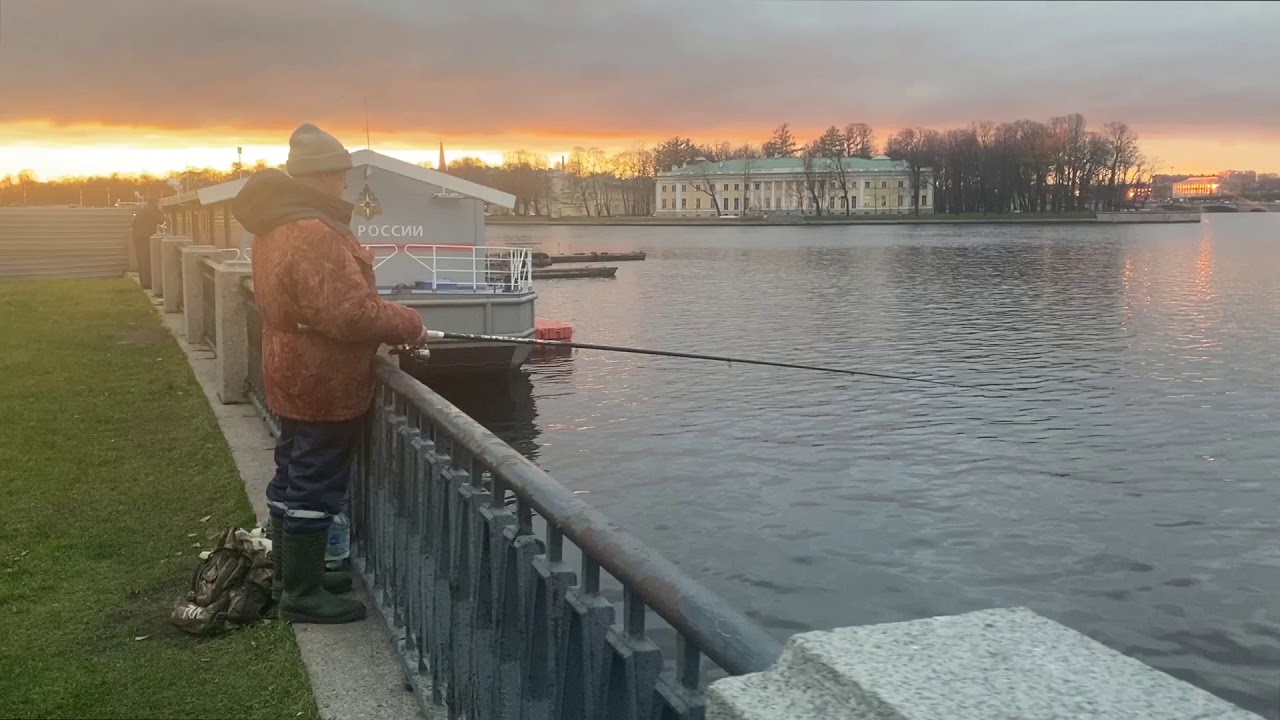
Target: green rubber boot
[
  {"x": 334, "y": 581},
  {"x": 304, "y": 599}
]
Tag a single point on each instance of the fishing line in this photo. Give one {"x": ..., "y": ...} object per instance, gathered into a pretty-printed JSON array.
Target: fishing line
[{"x": 437, "y": 335}]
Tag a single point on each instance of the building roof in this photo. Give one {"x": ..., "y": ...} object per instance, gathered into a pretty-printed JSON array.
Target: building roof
[
  {"x": 434, "y": 177},
  {"x": 782, "y": 165},
  {"x": 223, "y": 192},
  {"x": 1199, "y": 180}
]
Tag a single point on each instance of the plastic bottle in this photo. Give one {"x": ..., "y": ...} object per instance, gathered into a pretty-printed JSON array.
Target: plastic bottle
[{"x": 335, "y": 556}]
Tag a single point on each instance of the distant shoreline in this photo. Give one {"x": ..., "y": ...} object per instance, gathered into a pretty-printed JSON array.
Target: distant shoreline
[{"x": 645, "y": 221}]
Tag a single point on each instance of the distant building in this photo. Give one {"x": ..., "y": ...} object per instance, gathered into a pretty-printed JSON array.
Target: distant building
[
  {"x": 772, "y": 185},
  {"x": 1140, "y": 193},
  {"x": 1196, "y": 187},
  {"x": 1238, "y": 181}
]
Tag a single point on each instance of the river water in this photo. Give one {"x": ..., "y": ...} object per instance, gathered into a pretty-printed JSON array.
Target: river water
[{"x": 1117, "y": 475}]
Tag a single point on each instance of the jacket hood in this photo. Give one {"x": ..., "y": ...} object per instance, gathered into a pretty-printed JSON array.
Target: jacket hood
[{"x": 271, "y": 199}]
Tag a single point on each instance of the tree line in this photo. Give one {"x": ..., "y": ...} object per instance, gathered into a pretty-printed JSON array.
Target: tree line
[
  {"x": 25, "y": 188},
  {"x": 1028, "y": 166}
]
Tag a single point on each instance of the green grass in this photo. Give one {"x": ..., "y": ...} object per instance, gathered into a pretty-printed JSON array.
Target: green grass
[{"x": 109, "y": 458}]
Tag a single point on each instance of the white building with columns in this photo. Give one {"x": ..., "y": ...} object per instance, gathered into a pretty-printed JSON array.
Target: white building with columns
[{"x": 761, "y": 186}]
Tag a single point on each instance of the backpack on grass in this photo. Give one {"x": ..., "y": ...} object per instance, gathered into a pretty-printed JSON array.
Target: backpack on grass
[{"x": 230, "y": 587}]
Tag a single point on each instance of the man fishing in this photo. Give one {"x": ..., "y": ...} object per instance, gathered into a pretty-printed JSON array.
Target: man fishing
[{"x": 322, "y": 323}]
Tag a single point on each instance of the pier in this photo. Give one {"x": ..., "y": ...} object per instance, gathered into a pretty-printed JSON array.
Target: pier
[{"x": 566, "y": 272}]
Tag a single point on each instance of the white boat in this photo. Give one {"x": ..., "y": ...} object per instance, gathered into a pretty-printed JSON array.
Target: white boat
[{"x": 425, "y": 230}]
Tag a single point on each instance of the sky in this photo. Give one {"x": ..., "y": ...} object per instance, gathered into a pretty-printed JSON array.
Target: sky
[{"x": 90, "y": 86}]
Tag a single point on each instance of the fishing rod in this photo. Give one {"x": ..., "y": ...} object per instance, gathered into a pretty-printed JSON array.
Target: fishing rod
[{"x": 437, "y": 335}]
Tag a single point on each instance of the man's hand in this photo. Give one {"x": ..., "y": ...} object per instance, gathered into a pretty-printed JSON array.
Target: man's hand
[
  {"x": 421, "y": 342},
  {"x": 422, "y": 338}
]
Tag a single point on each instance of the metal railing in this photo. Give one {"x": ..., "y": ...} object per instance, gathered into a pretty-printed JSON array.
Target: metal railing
[
  {"x": 466, "y": 268},
  {"x": 209, "y": 294},
  {"x": 469, "y": 551},
  {"x": 488, "y": 609}
]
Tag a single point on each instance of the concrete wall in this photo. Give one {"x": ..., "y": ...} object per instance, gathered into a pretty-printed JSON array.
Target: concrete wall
[
  {"x": 1149, "y": 217},
  {"x": 64, "y": 242}
]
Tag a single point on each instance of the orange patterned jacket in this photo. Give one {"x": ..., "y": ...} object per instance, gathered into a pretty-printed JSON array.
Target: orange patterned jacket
[{"x": 322, "y": 319}]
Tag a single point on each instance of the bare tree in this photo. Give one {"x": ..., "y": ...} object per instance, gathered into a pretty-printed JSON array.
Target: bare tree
[
  {"x": 521, "y": 175},
  {"x": 747, "y": 154},
  {"x": 717, "y": 151},
  {"x": 27, "y": 180},
  {"x": 918, "y": 148},
  {"x": 582, "y": 183},
  {"x": 707, "y": 186},
  {"x": 626, "y": 167},
  {"x": 816, "y": 175},
  {"x": 834, "y": 149},
  {"x": 859, "y": 141},
  {"x": 1123, "y": 150}
]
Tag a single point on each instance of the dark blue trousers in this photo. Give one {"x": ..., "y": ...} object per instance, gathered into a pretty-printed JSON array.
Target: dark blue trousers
[{"x": 313, "y": 471}]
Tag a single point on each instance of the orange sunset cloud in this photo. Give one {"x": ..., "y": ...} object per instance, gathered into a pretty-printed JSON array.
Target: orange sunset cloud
[{"x": 130, "y": 85}]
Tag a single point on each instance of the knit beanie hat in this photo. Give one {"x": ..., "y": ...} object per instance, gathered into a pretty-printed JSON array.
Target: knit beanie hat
[{"x": 312, "y": 150}]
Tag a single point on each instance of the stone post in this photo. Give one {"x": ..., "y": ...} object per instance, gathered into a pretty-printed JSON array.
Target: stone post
[
  {"x": 156, "y": 279},
  {"x": 233, "y": 333},
  {"x": 171, "y": 271},
  {"x": 1006, "y": 663},
  {"x": 193, "y": 308},
  {"x": 131, "y": 257}
]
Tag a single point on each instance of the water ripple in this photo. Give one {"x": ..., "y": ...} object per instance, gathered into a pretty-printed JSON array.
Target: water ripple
[{"x": 1114, "y": 474}]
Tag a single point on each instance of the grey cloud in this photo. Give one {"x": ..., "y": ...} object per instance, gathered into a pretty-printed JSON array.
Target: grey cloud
[{"x": 640, "y": 67}]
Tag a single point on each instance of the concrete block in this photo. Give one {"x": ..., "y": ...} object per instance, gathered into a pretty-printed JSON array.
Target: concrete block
[
  {"x": 157, "y": 287},
  {"x": 1006, "y": 664},
  {"x": 193, "y": 290},
  {"x": 233, "y": 336},
  {"x": 171, "y": 271}
]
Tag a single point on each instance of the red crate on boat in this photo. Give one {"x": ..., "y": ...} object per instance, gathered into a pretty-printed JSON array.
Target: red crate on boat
[{"x": 552, "y": 330}]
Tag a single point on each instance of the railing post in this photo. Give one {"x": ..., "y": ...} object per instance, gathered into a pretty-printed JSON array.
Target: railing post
[
  {"x": 154, "y": 277},
  {"x": 193, "y": 308},
  {"x": 171, "y": 272},
  {"x": 233, "y": 334}
]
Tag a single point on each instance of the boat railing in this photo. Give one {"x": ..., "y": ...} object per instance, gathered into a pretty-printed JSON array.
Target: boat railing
[
  {"x": 456, "y": 268},
  {"x": 471, "y": 268}
]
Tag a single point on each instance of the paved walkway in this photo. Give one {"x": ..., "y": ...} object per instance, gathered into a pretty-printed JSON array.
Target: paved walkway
[{"x": 353, "y": 668}]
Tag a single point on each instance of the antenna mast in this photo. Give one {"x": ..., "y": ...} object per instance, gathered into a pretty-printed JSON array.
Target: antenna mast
[{"x": 367, "y": 144}]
